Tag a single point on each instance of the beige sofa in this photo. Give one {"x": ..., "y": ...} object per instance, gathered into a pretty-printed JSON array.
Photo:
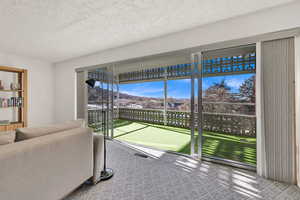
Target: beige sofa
[{"x": 50, "y": 162}]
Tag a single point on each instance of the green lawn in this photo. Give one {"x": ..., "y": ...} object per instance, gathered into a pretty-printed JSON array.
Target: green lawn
[{"x": 242, "y": 149}]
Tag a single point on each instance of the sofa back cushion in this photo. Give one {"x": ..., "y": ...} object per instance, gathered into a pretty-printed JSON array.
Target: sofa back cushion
[
  {"x": 28, "y": 133},
  {"x": 7, "y": 137},
  {"x": 48, "y": 167}
]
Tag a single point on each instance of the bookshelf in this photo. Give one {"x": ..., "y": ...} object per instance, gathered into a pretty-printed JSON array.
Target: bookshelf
[{"x": 16, "y": 99}]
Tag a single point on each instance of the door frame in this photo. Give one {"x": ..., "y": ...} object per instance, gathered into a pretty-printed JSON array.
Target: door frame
[{"x": 196, "y": 60}]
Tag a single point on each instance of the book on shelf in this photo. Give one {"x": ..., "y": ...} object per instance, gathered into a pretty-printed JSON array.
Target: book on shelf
[{"x": 11, "y": 102}]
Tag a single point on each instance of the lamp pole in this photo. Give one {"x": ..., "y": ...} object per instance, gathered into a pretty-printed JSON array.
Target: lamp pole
[{"x": 107, "y": 173}]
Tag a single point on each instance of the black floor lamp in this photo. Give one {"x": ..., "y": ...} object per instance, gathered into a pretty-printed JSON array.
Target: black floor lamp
[{"x": 107, "y": 173}]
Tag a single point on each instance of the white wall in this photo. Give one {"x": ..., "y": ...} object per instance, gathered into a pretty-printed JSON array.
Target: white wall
[
  {"x": 272, "y": 20},
  {"x": 40, "y": 87}
]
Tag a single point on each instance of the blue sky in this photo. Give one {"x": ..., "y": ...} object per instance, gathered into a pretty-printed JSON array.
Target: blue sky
[{"x": 180, "y": 88}]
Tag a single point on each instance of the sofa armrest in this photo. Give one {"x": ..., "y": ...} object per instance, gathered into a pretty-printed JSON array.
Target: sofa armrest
[{"x": 98, "y": 156}]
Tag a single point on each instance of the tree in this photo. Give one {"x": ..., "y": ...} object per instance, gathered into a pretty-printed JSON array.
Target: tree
[
  {"x": 218, "y": 91},
  {"x": 247, "y": 89}
]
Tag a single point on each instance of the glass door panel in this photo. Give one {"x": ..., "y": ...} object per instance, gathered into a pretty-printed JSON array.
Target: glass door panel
[
  {"x": 228, "y": 106},
  {"x": 100, "y": 102}
]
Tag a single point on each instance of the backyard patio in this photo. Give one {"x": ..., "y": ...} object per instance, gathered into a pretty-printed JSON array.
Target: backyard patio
[{"x": 237, "y": 148}]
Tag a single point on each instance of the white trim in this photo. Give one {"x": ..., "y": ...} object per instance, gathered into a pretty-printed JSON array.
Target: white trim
[
  {"x": 192, "y": 115},
  {"x": 200, "y": 104},
  {"x": 165, "y": 98},
  {"x": 85, "y": 97},
  {"x": 259, "y": 112}
]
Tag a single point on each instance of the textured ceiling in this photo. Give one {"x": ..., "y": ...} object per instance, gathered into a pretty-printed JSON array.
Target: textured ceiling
[{"x": 57, "y": 30}]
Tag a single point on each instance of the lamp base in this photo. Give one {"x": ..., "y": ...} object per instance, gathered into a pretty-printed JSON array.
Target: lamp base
[{"x": 107, "y": 174}]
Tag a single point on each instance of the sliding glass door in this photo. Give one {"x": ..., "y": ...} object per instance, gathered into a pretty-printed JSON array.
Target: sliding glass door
[
  {"x": 100, "y": 103},
  {"x": 224, "y": 106},
  {"x": 205, "y": 107}
]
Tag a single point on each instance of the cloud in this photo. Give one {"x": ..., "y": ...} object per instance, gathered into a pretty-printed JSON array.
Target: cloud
[
  {"x": 144, "y": 91},
  {"x": 129, "y": 93},
  {"x": 234, "y": 83}
]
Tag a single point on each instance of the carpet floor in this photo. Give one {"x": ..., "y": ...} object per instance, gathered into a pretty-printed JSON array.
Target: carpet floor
[{"x": 164, "y": 176}]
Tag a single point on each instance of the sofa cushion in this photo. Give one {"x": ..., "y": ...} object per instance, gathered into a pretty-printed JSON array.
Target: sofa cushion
[
  {"x": 7, "y": 137},
  {"x": 27, "y": 133}
]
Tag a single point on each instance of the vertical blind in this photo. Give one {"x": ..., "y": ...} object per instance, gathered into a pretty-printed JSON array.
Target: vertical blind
[
  {"x": 80, "y": 85},
  {"x": 279, "y": 110}
]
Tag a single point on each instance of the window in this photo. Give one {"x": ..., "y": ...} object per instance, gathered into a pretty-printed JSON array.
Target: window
[{"x": 146, "y": 95}]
